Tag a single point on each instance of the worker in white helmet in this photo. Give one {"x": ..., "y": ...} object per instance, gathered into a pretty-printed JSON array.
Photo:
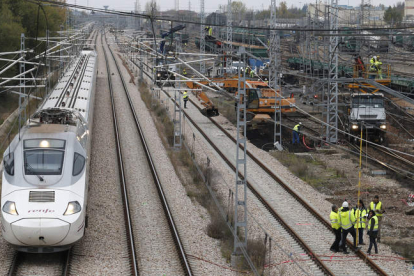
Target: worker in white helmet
[{"x": 347, "y": 222}]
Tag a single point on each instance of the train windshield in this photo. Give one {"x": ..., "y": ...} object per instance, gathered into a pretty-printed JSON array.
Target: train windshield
[
  {"x": 43, "y": 162},
  {"x": 43, "y": 157},
  {"x": 377, "y": 102}
]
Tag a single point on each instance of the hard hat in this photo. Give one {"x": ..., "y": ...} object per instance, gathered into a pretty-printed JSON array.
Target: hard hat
[
  {"x": 345, "y": 204},
  {"x": 375, "y": 57},
  {"x": 300, "y": 123}
]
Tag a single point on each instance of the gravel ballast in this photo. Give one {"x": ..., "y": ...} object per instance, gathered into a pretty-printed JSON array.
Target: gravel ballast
[{"x": 103, "y": 250}]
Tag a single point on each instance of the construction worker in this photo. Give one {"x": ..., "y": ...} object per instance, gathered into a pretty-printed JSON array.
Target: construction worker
[
  {"x": 296, "y": 130},
  {"x": 347, "y": 221},
  {"x": 184, "y": 72},
  {"x": 251, "y": 73},
  {"x": 376, "y": 206},
  {"x": 372, "y": 69},
  {"x": 210, "y": 31},
  {"x": 360, "y": 214},
  {"x": 185, "y": 98},
  {"x": 336, "y": 227},
  {"x": 360, "y": 66},
  {"x": 373, "y": 231},
  {"x": 378, "y": 64}
]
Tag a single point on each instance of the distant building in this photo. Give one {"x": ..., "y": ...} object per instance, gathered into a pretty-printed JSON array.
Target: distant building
[{"x": 409, "y": 9}]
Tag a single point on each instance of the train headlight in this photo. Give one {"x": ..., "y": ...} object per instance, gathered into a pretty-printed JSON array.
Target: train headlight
[
  {"x": 10, "y": 208},
  {"x": 159, "y": 75},
  {"x": 73, "y": 208},
  {"x": 384, "y": 126},
  {"x": 354, "y": 126}
]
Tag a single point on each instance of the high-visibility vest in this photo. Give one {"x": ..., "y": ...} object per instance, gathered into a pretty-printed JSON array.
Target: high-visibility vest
[
  {"x": 375, "y": 225},
  {"x": 210, "y": 31},
  {"x": 378, "y": 64},
  {"x": 376, "y": 207},
  {"x": 185, "y": 96},
  {"x": 296, "y": 128},
  {"x": 184, "y": 72},
  {"x": 372, "y": 67},
  {"x": 346, "y": 219},
  {"x": 334, "y": 220},
  {"x": 360, "y": 217}
]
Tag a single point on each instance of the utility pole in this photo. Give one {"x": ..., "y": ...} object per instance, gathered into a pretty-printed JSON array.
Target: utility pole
[
  {"x": 22, "y": 89},
  {"x": 332, "y": 104},
  {"x": 229, "y": 37},
  {"x": 274, "y": 71},
  {"x": 240, "y": 206},
  {"x": 202, "y": 38}
]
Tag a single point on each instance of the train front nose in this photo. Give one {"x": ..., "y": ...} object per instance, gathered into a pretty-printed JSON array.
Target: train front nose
[{"x": 40, "y": 231}]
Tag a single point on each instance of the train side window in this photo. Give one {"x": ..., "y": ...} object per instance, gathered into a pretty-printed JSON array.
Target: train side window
[
  {"x": 8, "y": 162},
  {"x": 78, "y": 164}
]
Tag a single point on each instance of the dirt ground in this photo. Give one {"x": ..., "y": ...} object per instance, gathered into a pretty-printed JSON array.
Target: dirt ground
[
  {"x": 334, "y": 172},
  {"x": 398, "y": 227}
]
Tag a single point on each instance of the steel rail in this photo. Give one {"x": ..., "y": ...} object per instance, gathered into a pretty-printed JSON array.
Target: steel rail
[
  {"x": 327, "y": 224},
  {"x": 19, "y": 257},
  {"x": 275, "y": 215},
  {"x": 125, "y": 200},
  {"x": 174, "y": 231},
  {"x": 359, "y": 253}
]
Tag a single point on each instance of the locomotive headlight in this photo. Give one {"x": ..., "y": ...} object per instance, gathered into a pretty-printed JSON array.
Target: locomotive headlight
[
  {"x": 158, "y": 75},
  {"x": 354, "y": 126},
  {"x": 73, "y": 208},
  {"x": 10, "y": 208},
  {"x": 384, "y": 126}
]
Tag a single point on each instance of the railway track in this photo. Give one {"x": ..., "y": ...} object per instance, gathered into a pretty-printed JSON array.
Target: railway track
[
  {"x": 179, "y": 248},
  {"x": 387, "y": 159},
  {"x": 40, "y": 264},
  {"x": 308, "y": 215},
  {"x": 125, "y": 200}
]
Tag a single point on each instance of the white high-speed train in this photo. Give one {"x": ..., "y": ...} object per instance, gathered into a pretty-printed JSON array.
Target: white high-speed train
[{"x": 45, "y": 168}]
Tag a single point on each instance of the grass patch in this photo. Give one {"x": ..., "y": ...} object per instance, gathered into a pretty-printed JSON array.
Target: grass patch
[{"x": 315, "y": 172}]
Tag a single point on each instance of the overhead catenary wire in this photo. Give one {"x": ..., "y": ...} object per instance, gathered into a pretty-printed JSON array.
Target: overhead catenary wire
[{"x": 134, "y": 14}]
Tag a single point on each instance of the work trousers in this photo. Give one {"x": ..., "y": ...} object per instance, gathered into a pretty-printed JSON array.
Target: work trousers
[
  {"x": 295, "y": 137},
  {"x": 379, "y": 226},
  {"x": 345, "y": 233},
  {"x": 360, "y": 235},
  {"x": 373, "y": 241},
  {"x": 185, "y": 103},
  {"x": 335, "y": 245}
]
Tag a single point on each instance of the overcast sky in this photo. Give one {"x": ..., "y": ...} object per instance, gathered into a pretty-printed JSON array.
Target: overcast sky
[{"x": 210, "y": 5}]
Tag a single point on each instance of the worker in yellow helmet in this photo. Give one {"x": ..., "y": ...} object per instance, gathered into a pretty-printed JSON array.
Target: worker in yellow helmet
[
  {"x": 378, "y": 64},
  {"x": 372, "y": 68},
  {"x": 377, "y": 206},
  {"x": 373, "y": 229},
  {"x": 336, "y": 227},
  {"x": 184, "y": 72},
  {"x": 185, "y": 98}
]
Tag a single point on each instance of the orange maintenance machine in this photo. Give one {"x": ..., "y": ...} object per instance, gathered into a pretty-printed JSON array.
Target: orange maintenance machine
[{"x": 261, "y": 98}]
